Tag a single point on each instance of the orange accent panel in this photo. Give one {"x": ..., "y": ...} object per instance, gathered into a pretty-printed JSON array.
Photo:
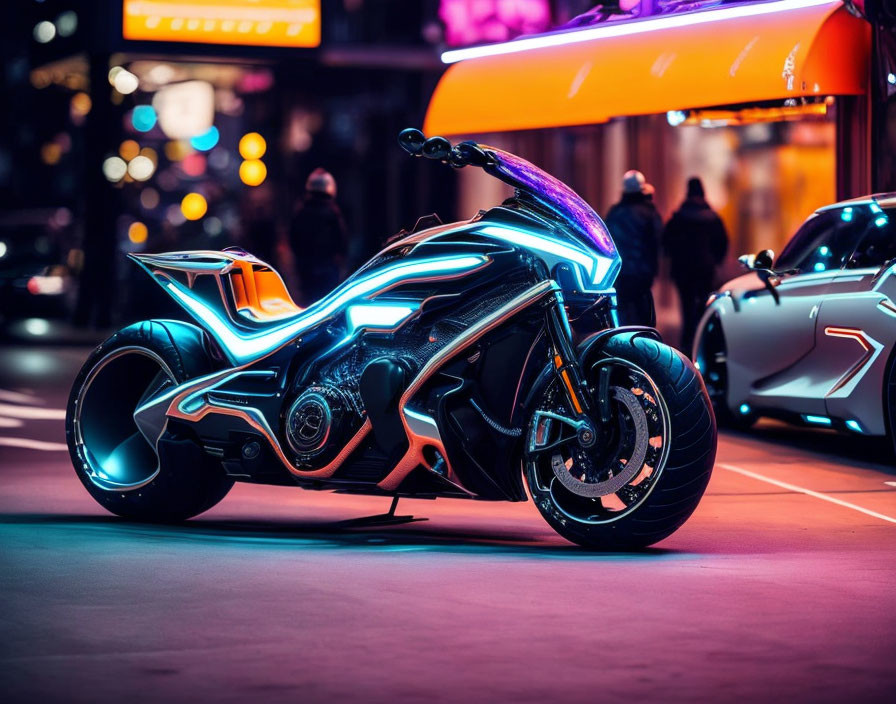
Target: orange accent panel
[
  {"x": 262, "y": 292},
  {"x": 239, "y": 290},
  {"x": 290, "y": 23},
  {"x": 273, "y": 297},
  {"x": 813, "y": 51}
]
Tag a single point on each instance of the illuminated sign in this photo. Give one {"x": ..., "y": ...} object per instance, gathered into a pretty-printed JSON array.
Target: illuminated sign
[{"x": 289, "y": 23}]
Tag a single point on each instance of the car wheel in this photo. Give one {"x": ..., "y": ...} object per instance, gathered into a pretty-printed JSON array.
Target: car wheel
[{"x": 711, "y": 358}]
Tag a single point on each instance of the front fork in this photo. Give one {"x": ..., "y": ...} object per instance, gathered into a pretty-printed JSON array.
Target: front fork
[{"x": 568, "y": 368}]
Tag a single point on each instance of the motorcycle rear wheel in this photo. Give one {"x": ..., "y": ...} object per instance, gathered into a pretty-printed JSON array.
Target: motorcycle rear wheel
[
  {"x": 124, "y": 472},
  {"x": 652, "y": 463}
]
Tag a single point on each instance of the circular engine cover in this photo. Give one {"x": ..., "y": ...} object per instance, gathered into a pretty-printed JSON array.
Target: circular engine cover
[{"x": 311, "y": 418}]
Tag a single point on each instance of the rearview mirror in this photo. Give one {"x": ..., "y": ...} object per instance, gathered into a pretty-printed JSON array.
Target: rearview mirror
[
  {"x": 761, "y": 260},
  {"x": 764, "y": 259}
]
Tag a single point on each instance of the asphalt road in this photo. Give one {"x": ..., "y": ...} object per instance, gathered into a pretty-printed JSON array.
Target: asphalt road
[{"x": 781, "y": 587}]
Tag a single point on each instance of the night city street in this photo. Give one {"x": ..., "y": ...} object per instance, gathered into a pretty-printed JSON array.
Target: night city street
[
  {"x": 448, "y": 351},
  {"x": 766, "y": 594}
]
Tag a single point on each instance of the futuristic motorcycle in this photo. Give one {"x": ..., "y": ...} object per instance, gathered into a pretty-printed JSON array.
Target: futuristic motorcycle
[{"x": 459, "y": 359}]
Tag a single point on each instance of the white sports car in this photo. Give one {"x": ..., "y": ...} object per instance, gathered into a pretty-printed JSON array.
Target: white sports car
[{"x": 809, "y": 337}]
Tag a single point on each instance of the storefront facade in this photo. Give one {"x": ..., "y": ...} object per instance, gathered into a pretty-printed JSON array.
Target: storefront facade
[{"x": 769, "y": 103}]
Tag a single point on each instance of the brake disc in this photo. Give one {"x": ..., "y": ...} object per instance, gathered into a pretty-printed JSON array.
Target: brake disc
[{"x": 631, "y": 468}]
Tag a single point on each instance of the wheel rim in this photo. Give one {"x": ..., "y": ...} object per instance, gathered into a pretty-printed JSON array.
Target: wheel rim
[
  {"x": 116, "y": 455},
  {"x": 603, "y": 483}
]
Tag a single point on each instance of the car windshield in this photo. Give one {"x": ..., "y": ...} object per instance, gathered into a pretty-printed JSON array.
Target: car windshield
[
  {"x": 877, "y": 242},
  {"x": 827, "y": 240}
]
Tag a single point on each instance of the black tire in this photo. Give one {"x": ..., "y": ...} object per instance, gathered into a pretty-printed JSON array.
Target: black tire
[
  {"x": 679, "y": 486},
  {"x": 711, "y": 356},
  {"x": 181, "y": 481},
  {"x": 889, "y": 403}
]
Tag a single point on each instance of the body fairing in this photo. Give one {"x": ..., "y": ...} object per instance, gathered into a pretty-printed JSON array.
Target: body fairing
[{"x": 432, "y": 285}]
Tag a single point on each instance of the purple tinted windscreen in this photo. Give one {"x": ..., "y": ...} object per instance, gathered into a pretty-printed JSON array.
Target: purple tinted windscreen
[{"x": 556, "y": 195}]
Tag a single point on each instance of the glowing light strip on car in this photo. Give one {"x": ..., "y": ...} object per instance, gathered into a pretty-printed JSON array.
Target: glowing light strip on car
[
  {"x": 855, "y": 373},
  {"x": 624, "y": 29},
  {"x": 854, "y": 425},
  {"x": 886, "y": 305},
  {"x": 817, "y": 420},
  {"x": 243, "y": 347}
]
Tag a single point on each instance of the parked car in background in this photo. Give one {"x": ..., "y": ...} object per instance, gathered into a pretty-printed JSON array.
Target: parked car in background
[
  {"x": 36, "y": 282},
  {"x": 808, "y": 336}
]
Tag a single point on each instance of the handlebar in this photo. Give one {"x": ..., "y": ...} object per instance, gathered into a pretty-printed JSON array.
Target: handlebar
[{"x": 440, "y": 149}]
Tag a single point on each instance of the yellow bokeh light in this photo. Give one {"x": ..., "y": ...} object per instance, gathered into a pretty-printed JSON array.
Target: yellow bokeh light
[
  {"x": 253, "y": 172},
  {"x": 252, "y": 146},
  {"x": 128, "y": 149},
  {"x": 177, "y": 149},
  {"x": 193, "y": 206},
  {"x": 150, "y": 154},
  {"x": 137, "y": 233},
  {"x": 81, "y": 104},
  {"x": 50, "y": 153}
]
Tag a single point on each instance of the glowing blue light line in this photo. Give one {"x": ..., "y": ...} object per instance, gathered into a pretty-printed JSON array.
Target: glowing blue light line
[
  {"x": 623, "y": 29},
  {"x": 817, "y": 420},
  {"x": 243, "y": 347},
  {"x": 596, "y": 266},
  {"x": 541, "y": 244},
  {"x": 377, "y": 315}
]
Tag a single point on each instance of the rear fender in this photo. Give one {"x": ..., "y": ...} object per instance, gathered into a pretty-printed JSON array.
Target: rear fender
[
  {"x": 185, "y": 341},
  {"x": 183, "y": 269}
]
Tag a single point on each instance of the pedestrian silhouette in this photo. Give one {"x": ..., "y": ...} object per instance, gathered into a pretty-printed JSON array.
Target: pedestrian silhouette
[
  {"x": 696, "y": 243},
  {"x": 636, "y": 226},
  {"x": 318, "y": 238}
]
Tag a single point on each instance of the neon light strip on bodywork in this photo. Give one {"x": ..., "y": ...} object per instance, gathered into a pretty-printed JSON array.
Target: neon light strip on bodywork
[
  {"x": 596, "y": 266},
  {"x": 377, "y": 315},
  {"x": 243, "y": 347},
  {"x": 622, "y": 29}
]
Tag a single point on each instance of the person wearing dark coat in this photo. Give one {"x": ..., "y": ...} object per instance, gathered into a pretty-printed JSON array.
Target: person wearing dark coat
[
  {"x": 696, "y": 242},
  {"x": 318, "y": 238},
  {"x": 635, "y": 226}
]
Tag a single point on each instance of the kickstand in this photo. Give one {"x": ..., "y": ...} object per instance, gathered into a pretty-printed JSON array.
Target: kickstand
[{"x": 381, "y": 519}]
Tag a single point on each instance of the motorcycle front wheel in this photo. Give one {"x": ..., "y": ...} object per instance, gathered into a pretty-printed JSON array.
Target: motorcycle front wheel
[{"x": 650, "y": 464}]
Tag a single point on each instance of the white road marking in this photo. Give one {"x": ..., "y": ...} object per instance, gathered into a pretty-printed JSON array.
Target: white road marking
[
  {"x": 807, "y": 492},
  {"x": 10, "y": 411},
  {"x": 10, "y": 422},
  {"x": 890, "y": 483},
  {"x": 29, "y": 444},
  {"x": 17, "y": 397}
]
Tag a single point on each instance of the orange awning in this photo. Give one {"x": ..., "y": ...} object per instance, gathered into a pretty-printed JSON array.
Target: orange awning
[{"x": 811, "y": 51}]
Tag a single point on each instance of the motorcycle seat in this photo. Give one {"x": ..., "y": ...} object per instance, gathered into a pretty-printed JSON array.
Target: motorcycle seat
[{"x": 259, "y": 293}]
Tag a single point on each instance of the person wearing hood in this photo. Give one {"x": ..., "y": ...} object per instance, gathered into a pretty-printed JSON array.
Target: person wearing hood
[
  {"x": 636, "y": 227},
  {"x": 318, "y": 238},
  {"x": 696, "y": 242}
]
